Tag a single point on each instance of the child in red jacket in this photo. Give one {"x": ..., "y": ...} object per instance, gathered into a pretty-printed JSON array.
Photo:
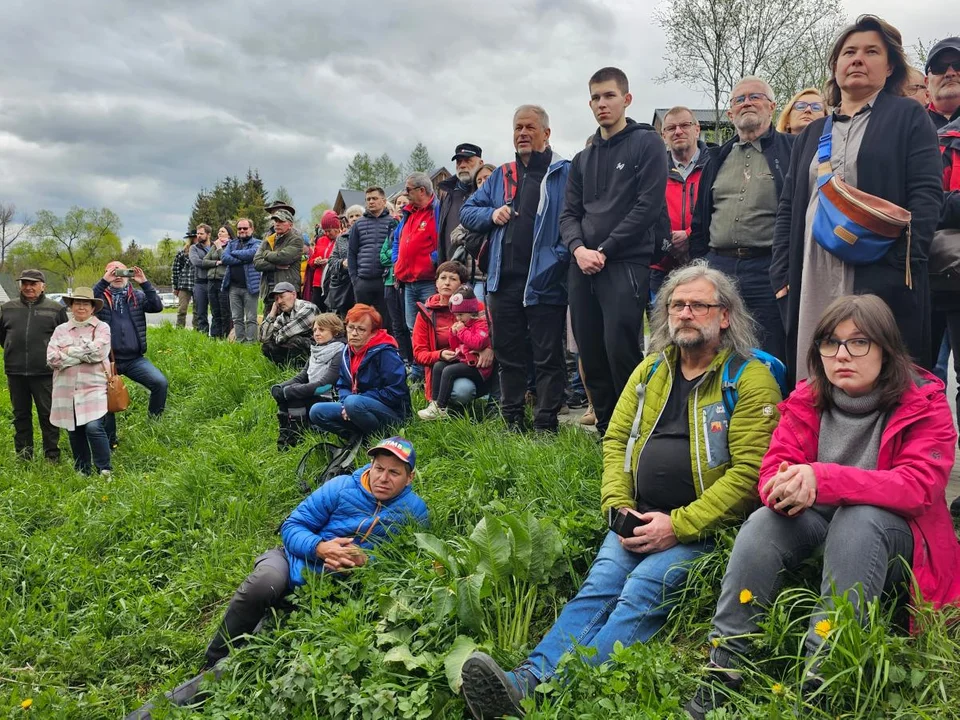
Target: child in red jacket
[{"x": 469, "y": 335}]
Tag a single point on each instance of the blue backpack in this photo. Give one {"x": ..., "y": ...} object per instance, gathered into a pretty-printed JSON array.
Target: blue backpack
[{"x": 733, "y": 369}]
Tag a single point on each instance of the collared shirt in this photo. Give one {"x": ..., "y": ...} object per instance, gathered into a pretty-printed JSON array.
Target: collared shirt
[
  {"x": 685, "y": 169},
  {"x": 288, "y": 325},
  {"x": 744, "y": 200}
]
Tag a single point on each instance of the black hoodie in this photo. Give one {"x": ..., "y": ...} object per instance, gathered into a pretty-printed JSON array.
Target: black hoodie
[{"x": 615, "y": 195}]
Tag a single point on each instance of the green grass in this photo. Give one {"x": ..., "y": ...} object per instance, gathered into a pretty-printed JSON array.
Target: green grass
[{"x": 109, "y": 590}]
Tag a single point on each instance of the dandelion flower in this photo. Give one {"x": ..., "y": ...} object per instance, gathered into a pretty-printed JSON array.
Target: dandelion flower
[
  {"x": 745, "y": 596},
  {"x": 104, "y": 498},
  {"x": 823, "y": 628},
  {"x": 777, "y": 689},
  {"x": 715, "y": 642},
  {"x": 27, "y": 703}
]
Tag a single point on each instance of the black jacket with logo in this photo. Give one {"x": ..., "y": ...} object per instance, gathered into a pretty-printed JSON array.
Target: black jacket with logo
[
  {"x": 25, "y": 330},
  {"x": 614, "y": 197}
]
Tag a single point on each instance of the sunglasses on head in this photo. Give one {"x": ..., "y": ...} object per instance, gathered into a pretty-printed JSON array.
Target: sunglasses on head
[{"x": 939, "y": 66}]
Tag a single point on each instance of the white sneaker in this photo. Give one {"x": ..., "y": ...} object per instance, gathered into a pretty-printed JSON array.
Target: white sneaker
[
  {"x": 432, "y": 412},
  {"x": 106, "y": 473}
]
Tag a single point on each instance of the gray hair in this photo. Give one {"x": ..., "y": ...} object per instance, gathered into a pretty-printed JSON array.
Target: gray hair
[
  {"x": 753, "y": 78},
  {"x": 740, "y": 337},
  {"x": 354, "y": 210},
  {"x": 536, "y": 110},
  {"x": 420, "y": 180}
]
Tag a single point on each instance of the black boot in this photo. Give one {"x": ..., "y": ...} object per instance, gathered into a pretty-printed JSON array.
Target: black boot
[
  {"x": 285, "y": 438},
  {"x": 299, "y": 424}
]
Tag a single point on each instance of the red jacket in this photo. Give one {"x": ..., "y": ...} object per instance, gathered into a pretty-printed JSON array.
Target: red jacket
[
  {"x": 681, "y": 198},
  {"x": 913, "y": 466},
  {"x": 431, "y": 334},
  {"x": 417, "y": 246},
  {"x": 472, "y": 338},
  {"x": 322, "y": 247}
]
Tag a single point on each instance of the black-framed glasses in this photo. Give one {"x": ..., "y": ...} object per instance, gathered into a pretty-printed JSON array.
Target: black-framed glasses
[
  {"x": 408, "y": 190},
  {"x": 939, "y": 67},
  {"x": 698, "y": 309},
  {"x": 802, "y": 105},
  {"x": 752, "y": 97},
  {"x": 670, "y": 129},
  {"x": 240, "y": 229},
  {"x": 914, "y": 88},
  {"x": 856, "y": 347}
]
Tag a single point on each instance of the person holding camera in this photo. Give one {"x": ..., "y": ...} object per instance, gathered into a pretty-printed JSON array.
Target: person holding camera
[
  {"x": 681, "y": 459},
  {"x": 124, "y": 311}
]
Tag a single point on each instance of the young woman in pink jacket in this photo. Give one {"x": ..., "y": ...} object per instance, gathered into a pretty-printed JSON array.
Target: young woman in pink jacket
[{"x": 858, "y": 465}]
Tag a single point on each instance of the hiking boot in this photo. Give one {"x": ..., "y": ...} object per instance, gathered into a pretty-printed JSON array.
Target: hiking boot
[
  {"x": 712, "y": 693},
  {"x": 433, "y": 412},
  {"x": 283, "y": 436},
  {"x": 589, "y": 417},
  {"x": 488, "y": 691}
]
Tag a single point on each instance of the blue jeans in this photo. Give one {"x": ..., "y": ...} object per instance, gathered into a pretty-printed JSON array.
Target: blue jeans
[
  {"x": 626, "y": 597},
  {"x": 753, "y": 276},
  {"x": 143, "y": 372},
  {"x": 480, "y": 290},
  {"x": 420, "y": 291},
  {"x": 943, "y": 357},
  {"x": 87, "y": 440},
  {"x": 367, "y": 416}
]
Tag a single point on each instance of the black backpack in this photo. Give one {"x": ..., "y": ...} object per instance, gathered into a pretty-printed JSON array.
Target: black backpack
[{"x": 325, "y": 461}]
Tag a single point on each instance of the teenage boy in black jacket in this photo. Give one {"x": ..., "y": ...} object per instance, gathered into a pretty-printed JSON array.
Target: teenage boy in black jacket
[{"x": 613, "y": 213}]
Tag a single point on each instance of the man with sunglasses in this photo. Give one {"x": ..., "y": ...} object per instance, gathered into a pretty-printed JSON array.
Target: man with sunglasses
[
  {"x": 943, "y": 81},
  {"x": 736, "y": 211}
]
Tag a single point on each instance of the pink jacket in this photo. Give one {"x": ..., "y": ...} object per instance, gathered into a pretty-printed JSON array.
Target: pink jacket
[
  {"x": 78, "y": 355},
  {"x": 468, "y": 342},
  {"x": 916, "y": 454}
]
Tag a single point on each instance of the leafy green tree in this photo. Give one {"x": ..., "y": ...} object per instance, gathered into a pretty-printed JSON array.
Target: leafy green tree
[
  {"x": 11, "y": 228},
  {"x": 84, "y": 237},
  {"x": 419, "y": 160},
  {"x": 386, "y": 172},
  {"x": 230, "y": 199},
  {"x": 282, "y": 195},
  {"x": 359, "y": 173},
  {"x": 317, "y": 211}
]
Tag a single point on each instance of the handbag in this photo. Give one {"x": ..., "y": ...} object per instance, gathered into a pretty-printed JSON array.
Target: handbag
[
  {"x": 118, "y": 399},
  {"x": 853, "y": 225},
  {"x": 944, "y": 261}
]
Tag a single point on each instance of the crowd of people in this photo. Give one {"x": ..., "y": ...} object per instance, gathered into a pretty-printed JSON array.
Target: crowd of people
[{"x": 801, "y": 282}]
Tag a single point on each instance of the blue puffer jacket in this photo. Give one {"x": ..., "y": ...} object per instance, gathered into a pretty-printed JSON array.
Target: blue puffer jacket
[
  {"x": 366, "y": 240},
  {"x": 381, "y": 376},
  {"x": 137, "y": 302},
  {"x": 547, "y": 279},
  {"x": 241, "y": 252},
  {"x": 342, "y": 508}
]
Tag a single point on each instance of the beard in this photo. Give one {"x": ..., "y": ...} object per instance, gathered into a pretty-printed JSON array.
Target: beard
[
  {"x": 467, "y": 177},
  {"x": 749, "y": 122},
  {"x": 693, "y": 338}
]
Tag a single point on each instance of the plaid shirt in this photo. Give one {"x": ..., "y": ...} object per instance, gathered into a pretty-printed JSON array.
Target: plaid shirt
[
  {"x": 288, "y": 325},
  {"x": 184, "y": 274}
]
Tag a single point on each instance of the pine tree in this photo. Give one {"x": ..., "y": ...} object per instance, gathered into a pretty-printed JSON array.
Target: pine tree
[
  {"x": 282, "y": 195},
  {"x": 419, "y": 160},
  {"x": 359, "y": 173},
  {"x": 385, "y": 172}
]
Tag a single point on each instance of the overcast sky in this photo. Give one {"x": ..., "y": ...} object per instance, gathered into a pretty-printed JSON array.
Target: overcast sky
[{"x": 136, "y": 111}]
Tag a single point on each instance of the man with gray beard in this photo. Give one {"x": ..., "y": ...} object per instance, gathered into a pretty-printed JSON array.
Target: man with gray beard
[
  {"x": 697, "y": 473},
  {"x": 736, "y": 208},
  {"x": 456, "y": 190}
]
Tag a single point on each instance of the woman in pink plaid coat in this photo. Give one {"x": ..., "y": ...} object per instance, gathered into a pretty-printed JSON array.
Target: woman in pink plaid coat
[{"x": 78, "y": 353}]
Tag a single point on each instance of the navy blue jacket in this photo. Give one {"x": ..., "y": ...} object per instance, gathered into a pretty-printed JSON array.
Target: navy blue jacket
[
  {"x": 241, "y": 252},
  {"x": 381, "y": 376},
  {"x": 138, "y": 302},
  {"x": 547, "y": 280},
  {"x": 776, "y": 147},
  {"x": 365, "y": 242}
]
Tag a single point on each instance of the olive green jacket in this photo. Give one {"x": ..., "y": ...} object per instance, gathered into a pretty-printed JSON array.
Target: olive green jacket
[{"x": 725, "y": 453}]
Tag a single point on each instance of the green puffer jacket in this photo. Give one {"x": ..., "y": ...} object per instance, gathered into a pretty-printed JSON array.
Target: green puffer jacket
[{"x": 725, "y": 454}]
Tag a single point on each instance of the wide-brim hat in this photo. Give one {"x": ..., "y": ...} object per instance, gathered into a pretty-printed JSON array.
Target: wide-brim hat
[
  {"x": 273, "y": 207},
  {"x": 83, "y": 293}
]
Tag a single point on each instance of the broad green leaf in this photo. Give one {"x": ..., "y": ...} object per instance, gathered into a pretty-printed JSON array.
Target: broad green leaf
[
  {"x": 397, "y": 636},
  {"x": 520, "y": 540},
  {"x": 493, "y": 547},
  {"x": 453, "y": 662},
  {"x": 470, "y": 592},
  {"x": 438, "y": 550}
]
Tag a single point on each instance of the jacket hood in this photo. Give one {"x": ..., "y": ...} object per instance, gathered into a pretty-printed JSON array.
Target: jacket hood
[
  {"x": 367, "y": 213},
  {"x": 434, "y": 302},
  {"x": 632, "y": 127},
  {"x": 951, "y": 129},
  {"x": 453, "y": 182},
  {"x": 379, "y": 339}
]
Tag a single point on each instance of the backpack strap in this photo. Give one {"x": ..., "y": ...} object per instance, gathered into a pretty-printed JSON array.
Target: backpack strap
[
  {"x": 641, "y": 390},
  {"x": 732, "y": 370},
  {"x": 509, "y": 182},
  {"x": 825, "y": 149}
]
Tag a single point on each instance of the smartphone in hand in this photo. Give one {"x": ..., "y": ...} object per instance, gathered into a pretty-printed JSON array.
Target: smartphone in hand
[{"x": 625, "y": 521}]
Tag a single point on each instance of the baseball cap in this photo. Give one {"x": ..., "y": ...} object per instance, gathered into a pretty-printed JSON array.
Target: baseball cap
[
  {"x": 950, "y": 43},
  {"x": 467, "y": 150},
  {"x": 32, "y": 276},
  {"x": 282, "y": 215},
  {"x": 282, "y": 287},
  {"x": 397, "y": 446}
]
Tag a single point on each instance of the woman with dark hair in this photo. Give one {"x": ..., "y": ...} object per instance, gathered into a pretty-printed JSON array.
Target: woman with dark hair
[
  {"x": 858, "y": 465},
  {"x": 879, "y": 143},
  {"x": 372, "y": 387},
  {"x": 218, "y": 297}
]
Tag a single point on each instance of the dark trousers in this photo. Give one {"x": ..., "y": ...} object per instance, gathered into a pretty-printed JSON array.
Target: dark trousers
[
  {"x": 142, "y": 372},
  {"x": 606, "y": 310},
  {"x": 316, "y": 297},
  {"x": 519, "y": 332},
  {"x": 201, "y": 297},
  {"x": 293, "y": 352},
  {"x": 219, "y": 300},
  {"x": 445, "y": 374},
  {"x": 370, "y": 292},
  {"x": 264, "y": 588},
  {"x": 946, "y": 317},
  {"x": 90, "y": 447},
  {"x": 753, "y": 277},
  {"x": 25, "y": 392},
  {"x": 396, "y": 321}
]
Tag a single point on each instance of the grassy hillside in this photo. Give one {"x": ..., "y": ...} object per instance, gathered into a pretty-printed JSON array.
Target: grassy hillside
[{"x": 109, "y": 590}]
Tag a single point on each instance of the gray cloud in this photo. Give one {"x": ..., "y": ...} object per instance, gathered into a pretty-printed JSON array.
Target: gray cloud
[{"x": 136, "y": 106}]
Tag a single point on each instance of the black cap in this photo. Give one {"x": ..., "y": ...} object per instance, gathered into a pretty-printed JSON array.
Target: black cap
[
  {"x": 467, "y": 150},
  {"x": 950, "y": 43},
  {"x": 32, "y": 276},
  {"x": 191, "y": 234}
]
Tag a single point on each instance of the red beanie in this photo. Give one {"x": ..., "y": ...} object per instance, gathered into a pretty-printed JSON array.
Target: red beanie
[{"x": 330, "y": 221}]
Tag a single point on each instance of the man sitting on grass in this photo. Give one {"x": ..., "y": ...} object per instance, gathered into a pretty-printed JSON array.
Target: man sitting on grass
[
  {"x": 286, "y": 330},
  {"x": 679, "y": 463},
  {"x": 330, "y": 531}
]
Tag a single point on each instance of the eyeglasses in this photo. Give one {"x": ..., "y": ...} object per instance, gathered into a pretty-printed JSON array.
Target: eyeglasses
[
  {"x": 242, "y": 228},
  {"x": 698, "y": 309},
  {"x": 915, "y": 88},
  {"x": 939, "y": 67},
  {"x": 752, "y": 97},
  {"x": 409, "y": 190},
  {"x": 856, "y": 347},
  {"x": 357, "y": 329},
  {"x": 671, "y": 129},
  {"x": 802, "y": 105}
]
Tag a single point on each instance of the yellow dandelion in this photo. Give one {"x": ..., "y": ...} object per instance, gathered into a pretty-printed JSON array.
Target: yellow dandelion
[
  {"x": 745, "y": 596},
  {"x": 777, "y": 689},
  {"x": 715, "y": 642},
  {"x": 104, "y": 498},
  {"x": 27, "y": 703},
  {"x": 823, "y": 628}
]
